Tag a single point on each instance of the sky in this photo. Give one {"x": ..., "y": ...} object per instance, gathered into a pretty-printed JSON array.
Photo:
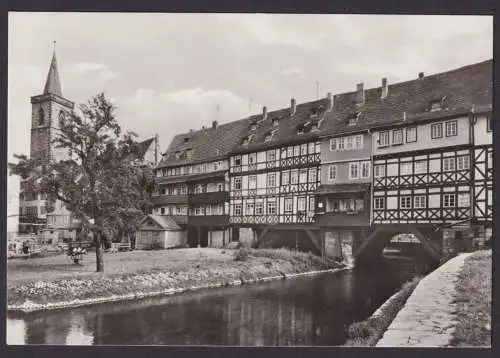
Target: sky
[{"x": 169, "y": 73}]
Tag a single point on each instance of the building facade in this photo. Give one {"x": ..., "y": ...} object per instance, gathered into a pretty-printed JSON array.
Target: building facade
[{"x": 193, "y": 183}]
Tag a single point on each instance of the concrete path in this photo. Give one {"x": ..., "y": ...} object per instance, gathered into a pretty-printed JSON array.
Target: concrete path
[{"x": 427, "y": 319}]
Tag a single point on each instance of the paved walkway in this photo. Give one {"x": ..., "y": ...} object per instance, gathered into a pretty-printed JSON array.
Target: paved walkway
[{"x": 427, "y": 319}]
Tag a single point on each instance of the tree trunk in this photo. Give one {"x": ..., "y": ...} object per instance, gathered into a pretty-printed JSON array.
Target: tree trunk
[{"x": 98, "y": 253}]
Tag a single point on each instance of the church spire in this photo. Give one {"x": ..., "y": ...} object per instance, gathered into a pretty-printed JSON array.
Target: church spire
[{"x": 53, "y": 85}]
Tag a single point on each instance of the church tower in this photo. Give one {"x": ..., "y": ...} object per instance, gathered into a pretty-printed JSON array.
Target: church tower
[{"x": 47, "y": 110}]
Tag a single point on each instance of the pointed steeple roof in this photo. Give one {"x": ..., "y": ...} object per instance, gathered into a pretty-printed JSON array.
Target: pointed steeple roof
[{"x": 52, "y": 84}]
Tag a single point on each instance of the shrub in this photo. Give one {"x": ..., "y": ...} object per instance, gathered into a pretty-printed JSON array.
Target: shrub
[
  {"x": 360, "y": 330},
  {"x": 242, "y": 254}
]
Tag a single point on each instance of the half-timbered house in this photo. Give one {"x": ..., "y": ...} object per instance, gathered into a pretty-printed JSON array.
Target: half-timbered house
[
  {"x": 193, "y": 185},
  {"x": 425, "y": 151},
  {"x": 275, "y": 170}
]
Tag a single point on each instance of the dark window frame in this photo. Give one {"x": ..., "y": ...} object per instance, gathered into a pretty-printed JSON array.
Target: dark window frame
[
  {"x": 435, "y": 125},
  {"x": 456, "y": 128},
  {"x": 416, "y": 134}
]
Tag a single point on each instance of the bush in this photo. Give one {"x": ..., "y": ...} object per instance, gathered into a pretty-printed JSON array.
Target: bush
[
  {"x": 242, "y": 254},
  {"x": 360, "y": 330}
]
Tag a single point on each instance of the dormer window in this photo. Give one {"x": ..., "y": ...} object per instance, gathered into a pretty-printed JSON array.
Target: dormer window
[
  {"x": 314, "y": 112},
  {"x": 253, "y": 127},
  {"x": 300, "y": 130},
  {"x": 352, "y": 120},
  {"x": 275, "y": 122},
  {"x": 186, "y": 139},
  {"x": 247, "y": 140},
  {"x": 189, "y": 153},
  {"x": 437, "y": 104},
  {"x": 269, "y": 136},
  {"x": 177, "y": 155}
]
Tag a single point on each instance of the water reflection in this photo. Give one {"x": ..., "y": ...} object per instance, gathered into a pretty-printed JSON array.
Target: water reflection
[{"x": 302, "y": 311}]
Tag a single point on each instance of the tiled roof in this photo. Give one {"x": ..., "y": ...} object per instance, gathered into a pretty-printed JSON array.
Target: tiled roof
[
  {"x": 205, "y": 145},
  {"x": 164, "y": 221},
  {"x": 410, "y": 101},
  {"x": 142, "y": 147},
  {"x": 287, "y": 129},
  {"x": 460, "y": 90}
]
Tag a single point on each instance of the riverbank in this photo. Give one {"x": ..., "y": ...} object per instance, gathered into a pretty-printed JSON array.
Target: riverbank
[
  {"x": 366, "y": 333},
  {"x": 473, "y": 299},
  {"x": 51, "y": 283},
  {"x": 428, "y": 317}
]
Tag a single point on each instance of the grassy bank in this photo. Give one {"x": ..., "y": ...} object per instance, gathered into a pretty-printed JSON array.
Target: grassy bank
[
  {"x": 473, "y": 299},
  {"x": 44, "y": 283},
  {"x": 368, "y": 332}
]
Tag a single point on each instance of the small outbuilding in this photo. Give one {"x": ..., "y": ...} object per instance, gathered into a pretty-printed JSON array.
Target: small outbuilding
[{"x": 159, "y": 232}]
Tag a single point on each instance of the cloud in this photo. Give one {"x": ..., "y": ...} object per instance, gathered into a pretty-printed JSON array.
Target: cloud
[
  {"x": 291, "y": 71},
  {"x": 94, "y": 69}
]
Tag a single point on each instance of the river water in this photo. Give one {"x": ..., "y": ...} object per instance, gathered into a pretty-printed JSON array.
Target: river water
[{"x": 313, "y": 310}]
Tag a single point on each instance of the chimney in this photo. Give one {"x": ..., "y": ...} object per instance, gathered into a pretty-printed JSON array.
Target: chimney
[
  {"x": 385, "y": 88},
  {"x": 329, "y": 98},
  {"x": 293, "y": 106},
  {"x": 360, "y": 94},
  {"x": 420, "y": 75},
  {"x": 264, "y": 113},
  {"x": 214, "y": 124},
  {"x": 191, "y": 130}
]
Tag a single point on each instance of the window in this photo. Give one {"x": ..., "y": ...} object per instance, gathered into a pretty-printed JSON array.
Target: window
[
  {"x": 332, "y": 172},
  {"x": 275, "y": 122},
  {"x": 252, "y": 182},
  {"x": 464, "y": 200},
  {"x": 237, "y": 183},
  {"x": 271, "y": 155},
  {"x": 271, "y": 208},
  {"x": 489, "y": 124},
  {"x": 311, "y": 148},
  {"x": 209, "y": 210},
  {"x": 365, "y": 169},
  {"x": 333, "y": 144},
  {"x": 383, "y": 139},
  {"x": 313, "y": 178},
  {"x": 349, "y": 143},
  {"x": 379, "y": 171},
  {"x": 353, "y": 170},
  {"x": 294, "y": 176},
  {"x": 285, "y": 178},
  {"x": 237, "y": 209},
  {"x": 301, "y": 204},
  {"x": 288, "y": 205},
  {"x": 252, "y": 158},
  {"x": 405, "y": 168},
  {"x": 42, "y": 209},
  {"x": 303, "y": 176},
  {"x": 215, "y": 166},
  {"x": 237, "y": 160},
  {"x": 352, "y": 121},
  {"x": 449, "y": 201},
  {"x": 41, "y": 117},
  {"x": 379, "y": 203},
  {"x": 311, "y": 203},
  {"x": 419, "y": 202},
  {"x": 436, "y": 106},
  {"x": 62, "y": 118},
  {"x": 271, "y": 180},
  {"x": 437, "y": 130},
  {"x": 268, "y": 137},
  {"x": 220, "y": 187},
  {"x": 397, "y": 136},
  {"x": 303, "y": 149},
  {"x": 405, "y": 202},
  {"x": 490, "y": 160},
  {"x": 420, "y": 166},
  {"x": 448, "y": 164},
  {"x": 249, "y": 209},
  {"x": 360, "y": 204},
  {"x": 198, "y": 211},
  {"x": 259, "y": 208},
  {"x": 162, "y": 210},
  {"x": 289, "y": 152},
  {"x": 359, "y": 142},
  {"x": 463, "y": 162},
  {"x": 451, "y": 128},
  {"x": 340, "y": 143},
  {"x": 411, "y": 134}
]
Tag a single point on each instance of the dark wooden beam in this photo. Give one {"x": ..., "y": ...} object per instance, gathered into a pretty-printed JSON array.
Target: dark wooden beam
[{"x": 261, "y": 235}]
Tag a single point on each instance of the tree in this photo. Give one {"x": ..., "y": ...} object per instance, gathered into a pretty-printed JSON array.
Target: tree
[{"x": 102, "y": 183}]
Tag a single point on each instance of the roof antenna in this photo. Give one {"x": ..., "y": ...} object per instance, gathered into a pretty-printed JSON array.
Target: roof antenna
[{"x": 54, "y": 46}]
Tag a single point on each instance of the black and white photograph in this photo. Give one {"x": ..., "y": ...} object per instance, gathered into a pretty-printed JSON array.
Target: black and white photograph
[{"x": 249, "y": 180}]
